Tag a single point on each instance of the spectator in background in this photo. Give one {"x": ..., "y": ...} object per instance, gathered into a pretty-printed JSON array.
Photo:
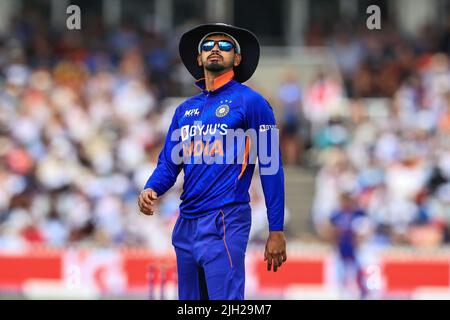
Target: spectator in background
[
  {"x": 426, "y": 230},
  {"x": 71, "y": 146},
  {"x": 294, "y": 126},
  {"x": 348, "y": 52},
  {"x": 335, "y": 174},
  {"x": 333, "y": 134},
  {"x": 68, "y": 141},
  {"x": 323, "y": 98},
  {"x": 399, "y": 160},
  {"x": 444, "y": 118}
]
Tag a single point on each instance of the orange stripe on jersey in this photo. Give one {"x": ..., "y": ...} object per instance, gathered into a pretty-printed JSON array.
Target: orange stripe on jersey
[
  {"x": 218, "y": 82},
  {"x": 223, "y": 79},
  {"x": 225, "y": 239},
  {"x": 246, "y": 152}
]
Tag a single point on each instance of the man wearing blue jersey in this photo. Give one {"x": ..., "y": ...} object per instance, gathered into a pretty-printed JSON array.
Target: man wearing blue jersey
[
  {"x": 349, "y": 225},
  {"x": 206, "y": 141}
]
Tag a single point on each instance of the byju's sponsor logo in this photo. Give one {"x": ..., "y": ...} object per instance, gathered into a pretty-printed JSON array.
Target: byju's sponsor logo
[
  {"x": 199, "y": 129},
  {"x": 215, "y": 144}
]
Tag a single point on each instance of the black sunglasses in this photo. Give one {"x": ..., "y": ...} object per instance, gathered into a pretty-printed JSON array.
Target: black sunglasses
[{"x": 224, "y": 45}]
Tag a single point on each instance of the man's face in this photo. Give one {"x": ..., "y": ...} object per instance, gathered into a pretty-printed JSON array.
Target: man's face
[{"x": 217, "y": 60}]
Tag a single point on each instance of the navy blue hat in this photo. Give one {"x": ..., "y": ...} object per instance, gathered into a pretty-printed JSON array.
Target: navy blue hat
[{"x": 246, "y": 42}]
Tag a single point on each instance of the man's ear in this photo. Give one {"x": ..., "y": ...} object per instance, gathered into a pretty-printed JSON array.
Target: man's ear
[
  {"x": 199, "y": 60},
  {"x": 237, "y": 59}
]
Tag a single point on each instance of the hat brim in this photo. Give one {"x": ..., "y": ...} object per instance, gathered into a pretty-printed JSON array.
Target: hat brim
[{"x": 247, "y": 40}]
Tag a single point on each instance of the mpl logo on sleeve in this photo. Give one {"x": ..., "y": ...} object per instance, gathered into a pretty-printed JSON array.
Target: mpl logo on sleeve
[{"x": 192, "y": 112}]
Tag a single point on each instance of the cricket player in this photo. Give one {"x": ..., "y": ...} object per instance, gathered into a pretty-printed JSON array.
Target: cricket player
[
  {"x": 205, "y": 141},
  {"x": 349, "y": 228}
]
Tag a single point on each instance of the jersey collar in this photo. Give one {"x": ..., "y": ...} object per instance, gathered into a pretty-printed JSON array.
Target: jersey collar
[{"x": 221, "y": 81}]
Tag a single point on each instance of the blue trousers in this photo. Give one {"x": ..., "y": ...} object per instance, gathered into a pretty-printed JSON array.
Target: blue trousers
[{"x": 210, "y": 254}]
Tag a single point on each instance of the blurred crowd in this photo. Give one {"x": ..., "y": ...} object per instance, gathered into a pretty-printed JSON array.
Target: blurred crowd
[
  {"x": 393, "y": 156},
  {"x": 391, "y": 153},
  {"x": 83, "y": 116},
  {"x": 76, "y": 148},
  {"x": 374, "y": 63},
  {"x": 82, "y": 121}
]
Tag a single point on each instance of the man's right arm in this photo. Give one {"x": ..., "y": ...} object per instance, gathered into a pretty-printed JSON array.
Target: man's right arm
[{"x": 166, "y": 172}]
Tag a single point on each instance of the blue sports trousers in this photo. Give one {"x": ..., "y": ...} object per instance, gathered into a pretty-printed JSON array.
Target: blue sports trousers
[{"x": 210, "y": 252}]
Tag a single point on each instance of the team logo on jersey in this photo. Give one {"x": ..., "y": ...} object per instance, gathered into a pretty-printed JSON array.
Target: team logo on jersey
[{"x": 222, "y": 110}]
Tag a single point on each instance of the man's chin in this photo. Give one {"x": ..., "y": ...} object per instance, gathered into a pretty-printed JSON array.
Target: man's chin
[{"x": 214, "y": 67}]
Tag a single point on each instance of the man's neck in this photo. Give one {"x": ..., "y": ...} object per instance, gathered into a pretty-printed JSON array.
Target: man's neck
[{"x": 210, "y": 77}]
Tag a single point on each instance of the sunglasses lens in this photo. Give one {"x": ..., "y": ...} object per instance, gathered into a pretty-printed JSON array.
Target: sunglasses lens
[
  {"x": 225, "y": 45},
  {"x": 208, "y": 45}
]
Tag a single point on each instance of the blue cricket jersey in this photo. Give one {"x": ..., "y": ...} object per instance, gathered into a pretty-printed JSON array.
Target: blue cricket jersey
[
  {"x": 344, "y": 221},
  {"x": 194, "y": 133}
]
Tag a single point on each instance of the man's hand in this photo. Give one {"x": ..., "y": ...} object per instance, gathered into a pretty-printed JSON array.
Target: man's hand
[
  {"x": 146, "y": 201},
  {"x": 275, "y": 252}
]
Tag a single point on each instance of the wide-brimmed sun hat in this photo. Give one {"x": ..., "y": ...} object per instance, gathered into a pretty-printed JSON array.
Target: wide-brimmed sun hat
[{"x": 246, "y": 43}]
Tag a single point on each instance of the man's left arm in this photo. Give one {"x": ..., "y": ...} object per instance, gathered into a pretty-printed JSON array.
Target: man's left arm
[{"x": 260, "y": 117}]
